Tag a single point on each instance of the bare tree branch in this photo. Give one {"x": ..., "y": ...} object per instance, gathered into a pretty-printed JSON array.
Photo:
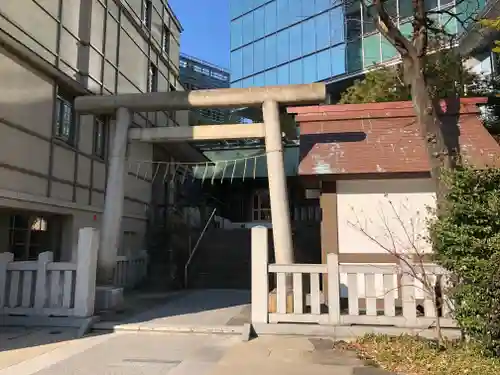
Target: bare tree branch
[{"x": 414, "y": 262}]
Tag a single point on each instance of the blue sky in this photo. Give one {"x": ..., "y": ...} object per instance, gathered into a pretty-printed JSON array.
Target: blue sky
[{"x": 206, "y": 29}]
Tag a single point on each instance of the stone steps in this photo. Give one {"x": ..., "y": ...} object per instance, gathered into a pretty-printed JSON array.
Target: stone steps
[{"x": 223, "y": 260}]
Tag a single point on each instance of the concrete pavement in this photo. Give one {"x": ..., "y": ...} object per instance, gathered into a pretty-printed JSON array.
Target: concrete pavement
[
  {"x": 131, "y": 353},
  {"x": 18, "y": 344},
  {"x": 291, "y": 355},
  {"x": 147, "y": 341},
  {"x": 202, "y": 311}
]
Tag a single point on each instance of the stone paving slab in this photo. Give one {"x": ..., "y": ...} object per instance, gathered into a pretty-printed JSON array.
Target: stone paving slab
[
  {"x": 291, "y": 355},
  {"x": 198, "y": 311},
  {"x": 146, "y": 353},
  {"x": 18, "y": 344},
  {"x": 187, "y": 354}
]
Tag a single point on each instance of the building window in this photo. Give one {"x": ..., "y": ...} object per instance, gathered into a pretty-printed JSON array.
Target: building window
[
  {"x": 65, "y": 119},
  {"x": 368, "y": 21},
  {"x": 147, "y": 12},
  {"x": 353, "y": 21},
  {"x": 30, "y": 235},
  {"x": 261, "y": 207},
  {"x": 152, "y": 78},
  {"x": 99, "y": 147},
  {"x": 166, "y": 40},
  {"x": 215, "y": 115}
]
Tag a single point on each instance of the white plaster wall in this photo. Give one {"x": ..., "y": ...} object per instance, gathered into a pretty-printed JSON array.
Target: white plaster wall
[
  {"x": 390, "y": 212},
  {"x": 480, "y": 64}
]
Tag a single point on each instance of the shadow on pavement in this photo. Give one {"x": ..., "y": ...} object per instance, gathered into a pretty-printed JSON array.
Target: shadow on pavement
[
  {"x": 18, "y": 344},
  {"x": 193, "y": 307}
]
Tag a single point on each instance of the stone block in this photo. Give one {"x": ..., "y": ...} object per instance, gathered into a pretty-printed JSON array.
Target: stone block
[{"x": 108, "y": 298}]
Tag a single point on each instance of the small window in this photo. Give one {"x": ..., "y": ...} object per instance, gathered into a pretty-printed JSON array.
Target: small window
[
  {"x": 65, "y": 119},
  {"x": 152, "y": 78},
  {"x": 147, "y": 12},
  {"x": 166, "y": 40},
  {"x": 100, "y": 137}
]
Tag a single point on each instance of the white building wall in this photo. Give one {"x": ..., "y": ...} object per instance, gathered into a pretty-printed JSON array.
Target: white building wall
[{"x": 381, "y": 216}]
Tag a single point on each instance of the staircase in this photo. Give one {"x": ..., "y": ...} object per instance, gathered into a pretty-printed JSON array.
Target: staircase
[{"x": 222, "y": 260}]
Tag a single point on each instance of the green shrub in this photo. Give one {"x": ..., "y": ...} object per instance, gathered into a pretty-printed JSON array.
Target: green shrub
[{"x": 466, "y": 238}]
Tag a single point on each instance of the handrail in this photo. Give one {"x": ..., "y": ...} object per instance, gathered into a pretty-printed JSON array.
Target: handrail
[{"x": 186, "y": 267}]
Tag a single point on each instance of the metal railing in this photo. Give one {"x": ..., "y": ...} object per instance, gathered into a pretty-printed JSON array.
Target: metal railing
[{"x": 193, "y": 252}]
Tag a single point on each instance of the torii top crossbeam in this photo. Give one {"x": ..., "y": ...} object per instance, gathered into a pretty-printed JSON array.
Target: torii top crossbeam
[
  {"x": 219, "y": 98},
  {"x": 267, "y": 98}
]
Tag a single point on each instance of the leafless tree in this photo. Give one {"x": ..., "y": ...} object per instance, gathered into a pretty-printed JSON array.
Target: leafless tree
[{"x": 401, "y": 236}]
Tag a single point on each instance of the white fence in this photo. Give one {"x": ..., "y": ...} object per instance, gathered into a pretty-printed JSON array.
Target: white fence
[
  {"x": 381, "y": 294},
  {"x": 129, "y": 272},
  {"x": 48, "y": 288}
]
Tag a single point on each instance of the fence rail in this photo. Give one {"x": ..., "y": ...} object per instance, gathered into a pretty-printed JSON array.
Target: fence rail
[
  {"x": 407, "y": 295},
  {"x": 130, "y": 271},
  {"x": 49, "y": 288}
]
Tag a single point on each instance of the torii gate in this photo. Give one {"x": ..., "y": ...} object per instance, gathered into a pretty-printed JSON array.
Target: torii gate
[{"x": 123, "y": 105}]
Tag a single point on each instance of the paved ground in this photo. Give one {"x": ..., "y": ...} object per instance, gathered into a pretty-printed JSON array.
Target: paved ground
[
  {"x": 193, "y": 309},
  {"x": 140, "y": 351},
  {"x": 136, "y": 353},
  {"x": 21, "y": 344}
]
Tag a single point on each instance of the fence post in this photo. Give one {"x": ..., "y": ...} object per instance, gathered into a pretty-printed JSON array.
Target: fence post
[
  {"x": 5, "y": 259},
  {"x": 408, "y": 292},
  {"x": 41, "y": 286},
  {"x": 88, "y": 246},
  {"x": 260, "y": 278},
  {"x": 332, "y": 262}
]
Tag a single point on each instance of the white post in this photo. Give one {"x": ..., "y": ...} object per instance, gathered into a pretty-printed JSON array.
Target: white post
[
  {"x": 115, "y": 193},
  {"x": 332, "y": 262},
  {"x": 88, "y": 243},
  {"x": 41, "y": 286},
  {"x": 260, "y": 278},
  {"x": 5, "y": 259},
  {"x": 408, "y": 292},
  {"x": 280, "y": 210}
]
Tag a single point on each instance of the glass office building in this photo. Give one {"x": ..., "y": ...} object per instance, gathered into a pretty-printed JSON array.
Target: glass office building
[
  {"x": 303, "y": 41},
  {"x": 285, "y": 41}
]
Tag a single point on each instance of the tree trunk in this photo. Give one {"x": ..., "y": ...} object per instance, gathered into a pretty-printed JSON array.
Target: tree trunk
[{"x": 430, "y": 126}]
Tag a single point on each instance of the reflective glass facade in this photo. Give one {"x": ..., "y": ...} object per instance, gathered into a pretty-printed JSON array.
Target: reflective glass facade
[
  {"x": 285, "y": 41},
  {"x": 303, "y": 41}
]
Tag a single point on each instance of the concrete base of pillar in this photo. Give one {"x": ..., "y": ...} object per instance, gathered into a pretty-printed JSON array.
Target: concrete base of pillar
[{"x": 108, "y": 298}]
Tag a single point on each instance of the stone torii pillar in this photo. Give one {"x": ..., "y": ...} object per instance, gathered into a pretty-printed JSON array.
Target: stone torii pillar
[
  {"x": 278, "y": 193},
  {"x": 266, "y": 98},
  {"x": 113, "y": 203}
]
